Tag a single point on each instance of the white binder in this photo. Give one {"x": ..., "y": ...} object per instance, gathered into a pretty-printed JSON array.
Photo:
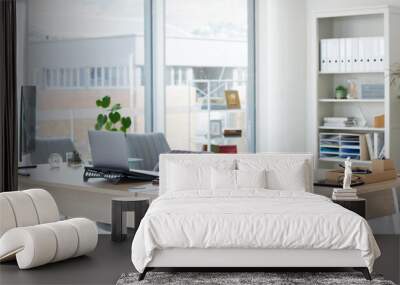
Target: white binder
[
  {"x": 381, "y": 58},
  {"x": 349, "y": 57},
  {"x": 323, "y": 56},
  {"x": 375, "y": 42},
  {"x": 369, "y": 52},
  {"x": 333, "y": 55},
  {"x": 342, "y": 55},
  {"x": 362, "y": 50},
  {"x": 354, "y": 53}
]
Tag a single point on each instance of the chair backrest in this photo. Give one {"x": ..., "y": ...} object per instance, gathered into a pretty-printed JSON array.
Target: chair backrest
[
  {"x": 46, "y": 146},
  {"x": 147, "y": 147},
  {"x": 26, "y": 208}
]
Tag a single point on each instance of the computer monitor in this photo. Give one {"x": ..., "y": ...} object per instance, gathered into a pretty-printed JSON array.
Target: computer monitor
[{"x": 27, "y": 128}]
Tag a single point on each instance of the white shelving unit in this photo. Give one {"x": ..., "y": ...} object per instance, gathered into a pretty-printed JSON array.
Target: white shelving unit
[{"x": 377, "y": 21}]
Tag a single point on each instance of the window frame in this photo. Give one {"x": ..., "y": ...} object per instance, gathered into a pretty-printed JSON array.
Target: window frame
[{"x": 155, "y": 71}]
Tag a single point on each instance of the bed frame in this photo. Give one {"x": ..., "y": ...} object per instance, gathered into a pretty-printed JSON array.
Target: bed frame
[{"x": 242, "y": 259}]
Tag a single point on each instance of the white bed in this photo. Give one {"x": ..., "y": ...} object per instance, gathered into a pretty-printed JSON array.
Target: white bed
[{"x": 201, "y": 220}]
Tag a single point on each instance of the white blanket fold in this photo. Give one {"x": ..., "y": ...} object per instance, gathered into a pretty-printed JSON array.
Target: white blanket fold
[{"x": 250, "y": 219}]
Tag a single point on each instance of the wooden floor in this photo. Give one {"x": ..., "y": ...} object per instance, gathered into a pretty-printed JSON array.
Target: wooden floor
[{"x": 110, "y": 260}]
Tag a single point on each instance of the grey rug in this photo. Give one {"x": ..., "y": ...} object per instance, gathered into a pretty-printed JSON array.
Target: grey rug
[{"x": 269, "y": 278}]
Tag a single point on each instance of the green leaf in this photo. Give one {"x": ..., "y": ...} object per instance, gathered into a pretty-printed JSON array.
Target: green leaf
[
  {"x": 101, "y": 119},
  {"x": 99, "y": 103},
  {"x": 126, "y": 122},
  {"x": 108, "y": 126},
  {"x": 114, "y": 117},
  {"x": 114, "y": 130},
  {"x": 106, "y": 101},
  {"x": 116, "y": 107},
  {"x": 98, "y": 127}
]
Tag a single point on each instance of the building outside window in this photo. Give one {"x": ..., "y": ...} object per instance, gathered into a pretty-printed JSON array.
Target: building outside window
[
  {"x": 203, "y": 51},
  {"x": 78, "y": 51}
]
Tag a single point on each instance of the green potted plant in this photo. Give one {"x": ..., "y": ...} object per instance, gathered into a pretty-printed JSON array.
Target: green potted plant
[
  {"x": 110, "y": 118},
  {"x": 341, "y": 92}
]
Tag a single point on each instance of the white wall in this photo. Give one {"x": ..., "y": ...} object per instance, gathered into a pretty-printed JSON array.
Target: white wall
[
  {"x": 281, "y": 76},
  {"x": 284, "y": 108}
]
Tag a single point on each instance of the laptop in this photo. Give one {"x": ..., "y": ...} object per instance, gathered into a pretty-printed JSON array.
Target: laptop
[{"x": 110, "y": 152}]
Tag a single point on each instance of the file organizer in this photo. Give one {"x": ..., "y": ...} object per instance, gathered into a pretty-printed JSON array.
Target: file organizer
[
  {"x": 343, "y": 145},
  {"x": 366, "y": 54}
]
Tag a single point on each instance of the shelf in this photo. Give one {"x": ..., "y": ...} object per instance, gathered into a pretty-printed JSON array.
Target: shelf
[
  {"x": 351, "y": 72},
  {"x": 199, "y": 110},
  {"x": 352, "y": 100},
  {"x": 334, "y": 159},
  {"x": 367, "y": 129}
]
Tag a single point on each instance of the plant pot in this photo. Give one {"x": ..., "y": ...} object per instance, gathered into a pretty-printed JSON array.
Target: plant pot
[{"x": 341, "y": 94}]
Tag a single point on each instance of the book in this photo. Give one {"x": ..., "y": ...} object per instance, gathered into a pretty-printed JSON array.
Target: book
[
  {"x": 378, "y": 144},
  {"x": 347, "y": 194},
  {"x": 232, "y": 133},
  {"x": 341, "y": 190},
  {"x": 223, "y": 148},
  {"x": 344, "y": 198},
  {"x": 364, "y": 153},
  {"x": 344, "y": 194},
  {"x": 340, "y": 121},
  {"x": 335, "y": 119},
  {"x": 370, "y": 146}
]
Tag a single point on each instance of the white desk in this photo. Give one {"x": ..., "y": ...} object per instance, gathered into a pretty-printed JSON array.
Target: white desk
[{"x": 76, "y": 198}]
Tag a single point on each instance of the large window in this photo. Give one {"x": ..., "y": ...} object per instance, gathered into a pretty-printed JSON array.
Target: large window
[
  {"x": 206, "y": 58},
  {"x": 77, "y": 51}
]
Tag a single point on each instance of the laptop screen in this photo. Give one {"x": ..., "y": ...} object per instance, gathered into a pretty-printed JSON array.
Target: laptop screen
[{"x": 109, "y": 150}]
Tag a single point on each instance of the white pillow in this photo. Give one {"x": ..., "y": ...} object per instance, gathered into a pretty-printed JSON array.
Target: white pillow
[
  {"x": 251, "y": 178},
  {"x": 223, "y": 179},
  {"x": 230, "y": 180},
  {"x": 193, "y": 175},
  {"x": 282, "y": 174},
  {"x": 183, "y": 178}
]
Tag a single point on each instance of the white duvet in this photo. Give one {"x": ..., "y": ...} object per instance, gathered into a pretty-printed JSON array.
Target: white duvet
[{"x": 250, "y": 219}]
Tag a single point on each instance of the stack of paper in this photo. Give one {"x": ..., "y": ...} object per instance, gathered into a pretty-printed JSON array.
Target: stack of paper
[
  {"x": 344, "y": 194},
  {"x": 340, "y": 122}
]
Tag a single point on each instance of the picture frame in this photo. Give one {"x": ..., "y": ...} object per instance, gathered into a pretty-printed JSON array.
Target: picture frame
[
  {"x": 215, "y": 128},
  {"x": 232, "y": 99}
]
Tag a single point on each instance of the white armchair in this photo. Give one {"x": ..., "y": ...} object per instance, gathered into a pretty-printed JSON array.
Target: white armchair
[{"x": 31, "y": 232}]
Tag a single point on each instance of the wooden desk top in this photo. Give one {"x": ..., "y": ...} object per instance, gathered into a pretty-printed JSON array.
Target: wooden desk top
[
  {"x": 365, "y": 188},
  {"x": 72, "y": 178},
  {"x": 373, "y": 187}
]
